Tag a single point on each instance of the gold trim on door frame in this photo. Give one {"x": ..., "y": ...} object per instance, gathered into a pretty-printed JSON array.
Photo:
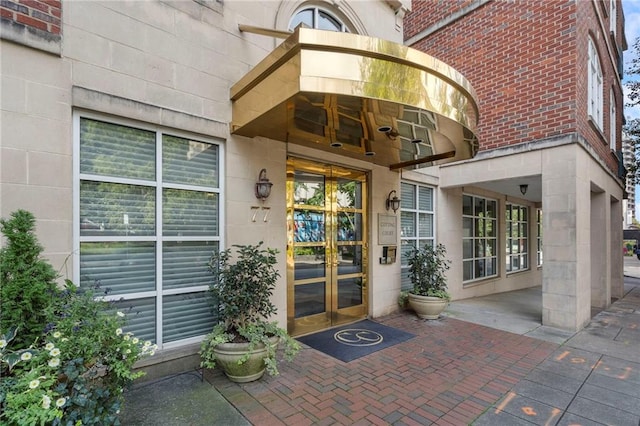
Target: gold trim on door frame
[{"x": 329, "y": 240}]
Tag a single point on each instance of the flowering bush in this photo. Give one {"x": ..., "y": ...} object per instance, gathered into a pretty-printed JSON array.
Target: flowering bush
[
  {"x": 64, "y": 358},
  {"x": 77, "y": 372}
]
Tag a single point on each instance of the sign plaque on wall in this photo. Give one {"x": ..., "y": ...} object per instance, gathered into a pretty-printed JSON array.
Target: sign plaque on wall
[{"x": 387, "y": 229}]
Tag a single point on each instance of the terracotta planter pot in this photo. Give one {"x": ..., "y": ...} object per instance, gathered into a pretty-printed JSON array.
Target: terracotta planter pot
[
  {"x": 427, "y": 307},
  {"x": 228, "y": 355}
]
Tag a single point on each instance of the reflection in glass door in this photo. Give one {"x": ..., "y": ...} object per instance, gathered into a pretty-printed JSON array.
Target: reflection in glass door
[{"x": 327, "y": 246}]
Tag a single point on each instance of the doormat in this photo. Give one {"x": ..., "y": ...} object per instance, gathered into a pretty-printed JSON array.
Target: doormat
[{"x": 356, "y": 340}]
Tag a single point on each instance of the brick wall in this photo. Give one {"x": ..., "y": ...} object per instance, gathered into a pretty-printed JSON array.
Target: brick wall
[
  {"x": 527, "y": 62},
  {"x": 43, "y": 15}
]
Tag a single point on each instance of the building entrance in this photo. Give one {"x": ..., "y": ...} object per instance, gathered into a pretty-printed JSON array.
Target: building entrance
[{"x": 326, "y": 246}]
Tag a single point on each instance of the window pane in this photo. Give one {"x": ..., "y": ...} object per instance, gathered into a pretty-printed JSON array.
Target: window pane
[
  {"x": 141, "y": 317},
  {"x": 310, "y": 299},
  {"x": 114, "y": 150},
  {"x": 349, "y": 260},
  {"x": 185, "y": 264},
  {"x": 349, "y": 193},
  {"x": 406, "y": 248},
  {"x": 189, "y": 162},
  {"x": 349, "y": 226},
  {"x": 492, "y": 209},
  {"x": 186, "y": 315},
  {"x": 479, "y": 207},
  {"x": 118, "y": 267},
  {"x": 407, "y": 196},
  {"x": 467, "y": 203},
  {"x": 303, "y": 17},
  {"x": 328, "y": 22},
  {"x": 308, "y": 226},
  {"x": 467, "y": 270},
  {"x": 309, "y": 189},
  {"x": 408, "y": 224},
  {"x": 426, "y": 198},
  {"x": 112, "y": 209},
  {"x": 189, "y": 213},
  {"x": 467, "y": 227},
  {"x": 467, "y": 249},
  {"x": 349, "y": 292},
  {"x": 425, "y": 225}
]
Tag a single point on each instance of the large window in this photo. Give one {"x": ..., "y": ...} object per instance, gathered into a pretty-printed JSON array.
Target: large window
[
  {"x": 147, "y": 213},
  {"x": 595, "y": 86},
  {"x": 479, "y": 237},
  {"x": 517, "y": 231},
  {"x": 417, "y": 222}
]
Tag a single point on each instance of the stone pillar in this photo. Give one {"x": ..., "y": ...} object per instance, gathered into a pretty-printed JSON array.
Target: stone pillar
[
  {"x": 566, "y": 273},
  {"x": 600, "y": 250},
  {"x": 617, "y": 258}
]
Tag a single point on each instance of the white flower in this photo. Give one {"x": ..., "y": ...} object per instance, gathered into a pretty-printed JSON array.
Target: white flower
[
  {"x": 128, "y": 351},
  {"x": 60, "y": 402},
  {"x": 34, "y": 384},
  {"x": 147, "y": 343},
  {"x": 54, "y": 362},
  {"x": 127, "y": 337},
  {"x": 120, "y": 314},
  {"x": 26, "y": 356},
  {"x": 118, "y": 331},
  {"x": 54, "y": 352},
  {"x": 46, "y": 402},
  {"x": 49, "y": 346},
  {"x": 151, "y": 353},
  {"x": 3, "y": 343},
  {"x": 57, "y": 334},
  {"x": 135, "y": 340}
]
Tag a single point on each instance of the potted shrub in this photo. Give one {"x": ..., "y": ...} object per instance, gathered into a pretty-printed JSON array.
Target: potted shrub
[
  {"x": 427, "y": 267},
  {"x": 244, "y": 343}
]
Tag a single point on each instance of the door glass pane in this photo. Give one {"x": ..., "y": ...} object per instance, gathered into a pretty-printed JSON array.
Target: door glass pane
[
  {"x": 186, "y": 315},
  {"x": 309, "y": 189},
  {"x": 349, "y": 226},
  {"x": 349, "y": 260},
  {"x": 308, "y": 226},
  {"x": 185, "y": 264},
  {"x": 310, "y": 299},
  {"x": 112, "y": 209},
  {"x": 189, "y": 162},
  {"x": 118, "y": 267},
  {"x": 349, "y": 292},
  {"x": 349, "y": 194},
  {"x": 309, "y": 262},
  {"x": 189, "y": 213},
  {"x": 114, "y": 150}
]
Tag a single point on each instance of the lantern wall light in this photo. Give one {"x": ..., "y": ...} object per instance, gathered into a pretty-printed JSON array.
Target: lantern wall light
[
  {"x": 393, "y": 203},
  {"x": 263, "y": 186}
]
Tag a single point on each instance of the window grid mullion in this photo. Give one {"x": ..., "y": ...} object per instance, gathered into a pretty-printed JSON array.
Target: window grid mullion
[{"x": 159, "y": 242}]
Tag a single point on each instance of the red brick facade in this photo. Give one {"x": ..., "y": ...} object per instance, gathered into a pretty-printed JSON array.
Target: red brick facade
[
  {"x": 44, "y": 15},
  {"x": 527, "y": 61}
]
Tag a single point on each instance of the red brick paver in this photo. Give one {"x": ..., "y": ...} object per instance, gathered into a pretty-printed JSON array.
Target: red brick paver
[{"x": 448, "y": 374}]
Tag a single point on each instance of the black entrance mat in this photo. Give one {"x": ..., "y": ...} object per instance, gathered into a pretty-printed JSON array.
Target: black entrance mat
[{"x": 355, "y": 340}]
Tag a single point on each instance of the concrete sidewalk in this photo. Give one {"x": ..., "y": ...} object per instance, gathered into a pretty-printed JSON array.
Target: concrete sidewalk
[{"x": 454, "y": 372}]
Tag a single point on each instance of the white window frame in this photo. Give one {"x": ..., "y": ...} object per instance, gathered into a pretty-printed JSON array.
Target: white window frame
[
  {"x": 539, "y": 248},
  {"x": 482, "y": 259},
  {"x": 158, "y": 293},
  {"x": 613, "y": 17},
  {"x": 596, "y": 87},
  {"x": 522, "y": 247},
  {"x": 316, "y": 16},
  {"x": 416, "y": 239},
  {"x": 612, "y": 121}
]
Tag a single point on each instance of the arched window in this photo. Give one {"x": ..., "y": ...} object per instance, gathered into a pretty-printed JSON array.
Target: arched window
[{"x": 316, "y": 18}]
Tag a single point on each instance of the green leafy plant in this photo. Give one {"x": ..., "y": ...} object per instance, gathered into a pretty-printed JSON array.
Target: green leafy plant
[
  {"x": 242, "y": 292},
  {"x": 27, "y": 282},
  {"x": 427, "y": 267},
  {"x": 66, "y": 360}
]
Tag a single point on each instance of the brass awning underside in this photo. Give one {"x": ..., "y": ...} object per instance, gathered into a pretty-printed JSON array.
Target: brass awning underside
[{"x": 361, "y": 97}]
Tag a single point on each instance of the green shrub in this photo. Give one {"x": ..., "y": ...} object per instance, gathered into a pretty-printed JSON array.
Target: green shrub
[{"x": 27, "y": 282}]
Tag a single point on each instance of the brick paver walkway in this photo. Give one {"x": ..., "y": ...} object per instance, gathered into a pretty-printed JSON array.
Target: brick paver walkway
[{"x": 449, "y": 374}]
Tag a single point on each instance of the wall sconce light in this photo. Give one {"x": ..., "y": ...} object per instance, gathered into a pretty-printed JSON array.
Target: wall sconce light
[
  {"x": 263, "y": 186},
  {"x": 393, "y": 203},
  {"x": 523, "y": 188}
]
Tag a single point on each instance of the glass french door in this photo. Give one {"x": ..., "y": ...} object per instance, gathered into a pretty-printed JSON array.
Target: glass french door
[{"x": 326, "y": 247}]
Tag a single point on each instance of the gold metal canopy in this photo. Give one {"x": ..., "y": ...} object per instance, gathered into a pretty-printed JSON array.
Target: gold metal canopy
[{"x": 359, "y": 96}]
